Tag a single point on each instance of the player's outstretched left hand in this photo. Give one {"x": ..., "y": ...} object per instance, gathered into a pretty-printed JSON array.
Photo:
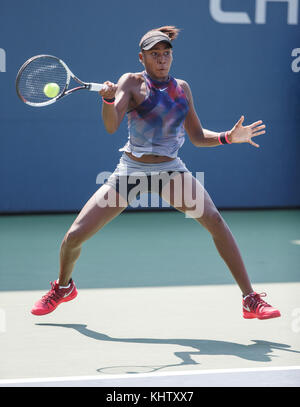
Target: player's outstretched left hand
[{"x": 244, "y": 134}]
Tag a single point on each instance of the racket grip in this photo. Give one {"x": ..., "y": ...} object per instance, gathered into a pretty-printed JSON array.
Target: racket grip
[{"x": 97, "y": 87}]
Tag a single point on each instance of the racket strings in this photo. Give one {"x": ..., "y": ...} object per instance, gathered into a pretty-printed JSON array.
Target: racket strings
[{"x": 37, "y": 74}]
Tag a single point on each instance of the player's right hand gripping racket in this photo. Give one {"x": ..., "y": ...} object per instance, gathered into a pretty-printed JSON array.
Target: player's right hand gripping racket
[{"x": 41, "y": 71}]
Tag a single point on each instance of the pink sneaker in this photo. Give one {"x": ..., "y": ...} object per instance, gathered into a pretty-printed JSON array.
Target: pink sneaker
[
  {"x": 255, "y": 307},
  {"x": 53, "y": 298}
]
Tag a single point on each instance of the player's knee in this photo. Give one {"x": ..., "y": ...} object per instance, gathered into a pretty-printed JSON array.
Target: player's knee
[
  {"x": 73, "y": 239},
  {"x": 212, "y": 220}
]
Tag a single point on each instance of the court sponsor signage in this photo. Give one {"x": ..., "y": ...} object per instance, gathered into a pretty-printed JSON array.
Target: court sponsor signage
[
  {"x": 2, "y": 60},
  {"x": 261, "y": 12},
  {"x": 296, "y": 62}
]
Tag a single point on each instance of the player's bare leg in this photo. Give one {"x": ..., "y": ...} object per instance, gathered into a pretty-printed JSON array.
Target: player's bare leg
[
  {"x": 94, "y": 215},
  {"x": 211, "y": 219},
  {"x": 97, "y": 212}
]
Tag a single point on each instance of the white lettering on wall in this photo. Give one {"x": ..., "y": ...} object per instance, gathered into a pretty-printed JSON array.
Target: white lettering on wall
[
  {"x": 2, "y": 60},
  {"x": 227, "y": 17},
  {"x": 296, "y": 61},
  {"x": 238, "y": 17},
  {"x": 261, "y": 10}
]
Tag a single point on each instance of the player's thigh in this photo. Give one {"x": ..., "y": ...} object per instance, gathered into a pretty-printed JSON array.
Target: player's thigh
[
  {"x": 187, "y": 194},
  {"x": 100, "y": 209}
]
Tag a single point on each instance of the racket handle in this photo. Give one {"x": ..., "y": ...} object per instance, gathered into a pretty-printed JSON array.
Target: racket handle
[{"x": 97, "y": 87}]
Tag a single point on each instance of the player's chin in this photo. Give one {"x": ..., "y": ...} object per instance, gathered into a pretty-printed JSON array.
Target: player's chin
[{"x": 162, "y": 72}]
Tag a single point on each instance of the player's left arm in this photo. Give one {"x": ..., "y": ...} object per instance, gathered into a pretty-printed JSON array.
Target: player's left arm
[{"x": 201, "y": 137}]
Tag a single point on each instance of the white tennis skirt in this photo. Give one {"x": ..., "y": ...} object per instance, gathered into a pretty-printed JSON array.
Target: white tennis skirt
[
  {"x": 131, "y": 173},
  {"x": 127, "y": 166}
]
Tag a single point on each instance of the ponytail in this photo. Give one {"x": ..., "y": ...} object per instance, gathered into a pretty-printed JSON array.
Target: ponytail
[{"x": 170, "y": 30}]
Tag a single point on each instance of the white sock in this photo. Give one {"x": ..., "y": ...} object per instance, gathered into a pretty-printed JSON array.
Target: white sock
[
  {"x": 245, "y": 296},
  {"x": 63, "y": 286}
]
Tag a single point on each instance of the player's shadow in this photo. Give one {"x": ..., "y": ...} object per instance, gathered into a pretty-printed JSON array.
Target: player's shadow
[{"x": 259, "y": 351}]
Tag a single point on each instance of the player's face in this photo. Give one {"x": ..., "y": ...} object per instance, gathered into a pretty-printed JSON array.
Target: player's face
[{"x": 158, "y": 61}]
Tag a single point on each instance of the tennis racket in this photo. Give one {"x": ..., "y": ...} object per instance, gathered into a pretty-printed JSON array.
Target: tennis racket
[{"x": 41, "y": 70}]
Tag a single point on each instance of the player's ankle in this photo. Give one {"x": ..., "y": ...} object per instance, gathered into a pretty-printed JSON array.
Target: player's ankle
[
  {"x": 248, "y": 292},
  {"x": 64, "y": 283}
]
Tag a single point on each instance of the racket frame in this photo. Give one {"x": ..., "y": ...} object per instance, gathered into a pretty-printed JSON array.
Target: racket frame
[{"x": 91, "y": 86}]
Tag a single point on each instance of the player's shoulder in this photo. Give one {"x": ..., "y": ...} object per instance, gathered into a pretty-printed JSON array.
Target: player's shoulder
[
  {"x": 131, "y": 78},
  {"x": 183, "y": 83},
  {"x": 185, "y": 86}
]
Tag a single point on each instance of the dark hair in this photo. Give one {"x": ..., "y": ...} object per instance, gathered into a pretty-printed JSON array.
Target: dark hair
[{"x": 171, "y": 31}]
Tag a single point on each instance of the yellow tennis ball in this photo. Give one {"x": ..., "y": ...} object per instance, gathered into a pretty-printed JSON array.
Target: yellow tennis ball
[{"x": 51, "y": 90}]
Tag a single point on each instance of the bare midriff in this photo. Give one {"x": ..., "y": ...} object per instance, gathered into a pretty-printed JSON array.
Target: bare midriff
[{"x": 150, "y": 158}]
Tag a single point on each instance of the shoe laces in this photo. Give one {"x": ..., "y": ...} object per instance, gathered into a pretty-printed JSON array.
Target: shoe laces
[
  {"x": 255, "y": 301},
  {"x": 53, "y": 294}
]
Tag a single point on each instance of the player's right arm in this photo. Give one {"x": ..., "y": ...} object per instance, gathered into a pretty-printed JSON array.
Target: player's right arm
[{"x": 113, "y": 114}]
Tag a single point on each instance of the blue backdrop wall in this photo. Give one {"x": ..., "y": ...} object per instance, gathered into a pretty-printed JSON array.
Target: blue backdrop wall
[{"x": 239, "y": 57}]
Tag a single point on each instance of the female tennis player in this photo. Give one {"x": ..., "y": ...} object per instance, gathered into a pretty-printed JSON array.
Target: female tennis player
[{"x": 160, "y": 110}]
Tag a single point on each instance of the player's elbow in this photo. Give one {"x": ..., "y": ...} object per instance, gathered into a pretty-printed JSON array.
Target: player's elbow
[
  {"x": 198, "y": 144},
  {"x": 111, "y": 130},
  {"x": 111, "y": 126},
  {"x": 197, "y": 140}
]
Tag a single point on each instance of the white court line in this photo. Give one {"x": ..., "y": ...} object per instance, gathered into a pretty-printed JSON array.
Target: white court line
[{"x": 252, "y": 377}]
